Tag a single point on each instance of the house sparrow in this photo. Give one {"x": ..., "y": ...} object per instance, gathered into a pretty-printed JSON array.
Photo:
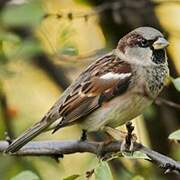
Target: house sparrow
[{"x": 114, "y": 89}]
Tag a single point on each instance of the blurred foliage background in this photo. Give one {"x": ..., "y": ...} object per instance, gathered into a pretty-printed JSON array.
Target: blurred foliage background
[{"x": 45, "y": 44}]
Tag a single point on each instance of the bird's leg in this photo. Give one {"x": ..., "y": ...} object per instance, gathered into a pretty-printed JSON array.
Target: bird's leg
[
  {"x": 130, "y": 138},
  {"x": 83, "y": 135}
]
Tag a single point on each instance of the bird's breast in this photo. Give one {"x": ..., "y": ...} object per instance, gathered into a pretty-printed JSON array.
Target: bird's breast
[{"x": 116, "y": 112}]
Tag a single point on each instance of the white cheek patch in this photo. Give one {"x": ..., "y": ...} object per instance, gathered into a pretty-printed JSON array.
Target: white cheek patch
[{"x": 114, "y": 76}]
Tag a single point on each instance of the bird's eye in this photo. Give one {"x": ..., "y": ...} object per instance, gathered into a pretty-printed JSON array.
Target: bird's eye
[{"x": 144, "y": 43}]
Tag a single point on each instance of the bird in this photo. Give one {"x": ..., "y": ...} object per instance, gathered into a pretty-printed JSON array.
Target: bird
[{"x": 112, "y": 90}]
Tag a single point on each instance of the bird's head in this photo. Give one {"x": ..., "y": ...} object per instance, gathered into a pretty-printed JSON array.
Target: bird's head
[{"x": 144, "y": 45}]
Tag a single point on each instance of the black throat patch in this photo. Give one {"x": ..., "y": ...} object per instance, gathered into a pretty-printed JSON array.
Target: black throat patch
[{"x": 159, "y": 56}]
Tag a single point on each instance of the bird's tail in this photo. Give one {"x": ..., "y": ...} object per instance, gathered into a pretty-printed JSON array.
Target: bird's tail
[{"x": 28, "y": 135}]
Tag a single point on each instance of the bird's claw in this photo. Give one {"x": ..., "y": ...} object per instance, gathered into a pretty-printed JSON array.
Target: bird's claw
[
  {"x": 128, "y": 142},
  {"x": 83, "y": 135}
]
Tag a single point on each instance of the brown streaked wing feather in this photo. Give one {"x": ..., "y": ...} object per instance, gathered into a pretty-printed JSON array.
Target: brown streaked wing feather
[
  {"x": 89, "y": 91},
  {"x": 85, "y": 95}
]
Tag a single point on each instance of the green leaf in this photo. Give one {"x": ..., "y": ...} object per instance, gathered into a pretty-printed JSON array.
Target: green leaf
[
  {"x": 175, "y": 135},
  {"x": 176, "y": 83},
  {"x": 137, "y": 178},
  {"x": 103, "y": 172},
  {"x": 23, "y": 15},
  {"x": 26, "y": 175},
  {"x": 136, "y": 155},
  {"x": 72, "y": 177}
]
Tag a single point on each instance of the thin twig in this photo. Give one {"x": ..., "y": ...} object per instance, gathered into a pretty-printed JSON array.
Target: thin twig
[
  {"x": 161, "y": 101},
  {"x": 117, "y": 5}
]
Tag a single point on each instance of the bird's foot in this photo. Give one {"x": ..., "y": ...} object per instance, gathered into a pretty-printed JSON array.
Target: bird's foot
[
  {"x": 128, "y": 142},
  {"x": 83, "y": 135},
  {"x": 128, "y": 138}
]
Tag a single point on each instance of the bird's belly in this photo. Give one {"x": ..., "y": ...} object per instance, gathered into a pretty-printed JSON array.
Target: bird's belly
[{"x": 116, "y": 112}]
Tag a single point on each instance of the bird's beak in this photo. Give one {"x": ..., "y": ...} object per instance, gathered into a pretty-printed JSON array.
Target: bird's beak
[{"x": 160, "y": 43}]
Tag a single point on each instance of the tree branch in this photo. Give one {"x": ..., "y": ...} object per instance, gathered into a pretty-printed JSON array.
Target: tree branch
[
  {"x": 162, "y": 101},
  {"x": 58, "y": 148}
]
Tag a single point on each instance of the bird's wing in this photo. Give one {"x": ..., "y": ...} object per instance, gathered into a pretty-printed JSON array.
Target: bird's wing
[
  {"x": 101, "y": 81},
  {"x": 104, "y": 79}
]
